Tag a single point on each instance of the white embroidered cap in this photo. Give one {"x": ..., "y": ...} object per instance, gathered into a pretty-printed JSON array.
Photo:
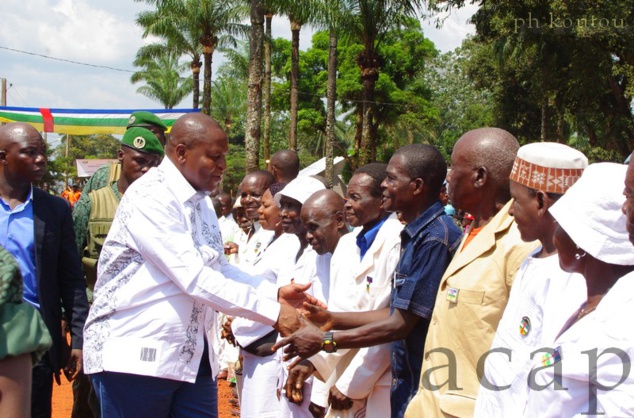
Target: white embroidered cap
[
  {"x": 548, "y": 166},
  {"x": 590, "y": 212}
]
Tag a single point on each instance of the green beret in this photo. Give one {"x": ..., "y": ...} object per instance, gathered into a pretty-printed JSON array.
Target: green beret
[
  {"x": 142, "y": 118},
  {"x": 142, "y": 140}
]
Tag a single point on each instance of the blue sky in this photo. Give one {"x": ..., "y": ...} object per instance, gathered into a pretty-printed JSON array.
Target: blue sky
[{"x": 103, "y": 32}]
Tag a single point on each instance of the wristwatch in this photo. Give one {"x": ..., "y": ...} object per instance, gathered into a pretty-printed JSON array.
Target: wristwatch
[{"x": 328, "y": 344}]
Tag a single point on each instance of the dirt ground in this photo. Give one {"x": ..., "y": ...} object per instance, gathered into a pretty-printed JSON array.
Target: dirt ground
[{"x": 63, "y": 400}]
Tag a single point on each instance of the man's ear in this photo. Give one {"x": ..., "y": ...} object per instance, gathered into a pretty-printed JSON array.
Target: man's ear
[
  {"x": 419, "y": 185},
  {"x": 341, "y": 220},
  {"x": 181, "y": 153},
  {"x": 543, "y": 202},
  {"x": 120, "y": 155},
  {"x": 481, "y": 177}
]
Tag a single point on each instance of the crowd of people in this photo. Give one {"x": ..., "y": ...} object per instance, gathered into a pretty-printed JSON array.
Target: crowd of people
[{"x": 374, "y": 304}]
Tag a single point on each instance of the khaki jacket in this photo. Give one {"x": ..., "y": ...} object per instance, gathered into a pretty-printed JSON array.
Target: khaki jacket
[{"x": 461, "y": 332}]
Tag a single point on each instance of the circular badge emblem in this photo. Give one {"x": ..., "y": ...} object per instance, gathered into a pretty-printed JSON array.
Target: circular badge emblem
[
  {"x": 131, "y": 120},
  {"x": 139, "y": 142},
  {"x": 525, "y": 326}
]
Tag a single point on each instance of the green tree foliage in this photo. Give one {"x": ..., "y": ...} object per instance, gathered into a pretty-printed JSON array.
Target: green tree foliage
[
  {"x": 230, "y": 105},
  {"x": 558, "y": 70},
  {"x": 216, "y": 23},
  {"x": 162, "y": 78},
  {"x": 459, "y": 104},
  {"x": 402, "y": 112},
  {"x": 181, "y": 38}
]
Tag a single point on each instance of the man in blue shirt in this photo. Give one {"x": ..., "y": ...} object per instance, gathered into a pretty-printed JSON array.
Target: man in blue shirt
[
  {"x": 415, "y": 175},
  {"x": 37, "y": 229}
]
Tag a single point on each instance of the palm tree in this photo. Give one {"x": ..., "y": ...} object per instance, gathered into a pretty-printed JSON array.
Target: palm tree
[
  {"x": 236, "y": 63},
  {"x": 374, "y": 19},
  {"x": 217, "y": 23},
  {"x": 181, "y": 39},
  {"x": 230, "y": 100},
  {"x": 332, "y": 15},
  {"x": 269, "y": 10},
  {"x": 254, "y": 96},
  {"x": 162, "y": 77}
]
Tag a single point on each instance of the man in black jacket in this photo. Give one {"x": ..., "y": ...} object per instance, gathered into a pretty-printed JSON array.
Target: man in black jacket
[{"x": 37, "y": 229}]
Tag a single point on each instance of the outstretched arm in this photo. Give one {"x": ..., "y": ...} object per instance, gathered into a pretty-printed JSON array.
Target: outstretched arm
[
  {"x": 327, "y": 320},
  {"x": 308, "y": 340}
]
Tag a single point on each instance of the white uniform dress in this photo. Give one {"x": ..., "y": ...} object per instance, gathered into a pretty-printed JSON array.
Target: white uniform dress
[
  {"x": 357, "y": 284},
  {"x": 542, "y": 299},
  {"x": 315, "y": 269},
  {"x": 260, "y": 374},
  {"x": 600, "y": 344}
]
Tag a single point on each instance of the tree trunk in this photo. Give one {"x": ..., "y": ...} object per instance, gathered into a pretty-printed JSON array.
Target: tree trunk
[
  {"x": 196, "y": 64},
  {"x": 208, "y": 51},
  {"x": 267, "y": 88},
  {"x": 560, "y": 125},
  {"x": 544, "y": 117},
  {"x": 331, "y": 97},
  {"x": 368, "y": 62},
  {"x": 254, "y": 95},
  {"x": 358, "y": 134},
  {"x": 368, "y": 144},
  {"x": 292, "y": 137}
]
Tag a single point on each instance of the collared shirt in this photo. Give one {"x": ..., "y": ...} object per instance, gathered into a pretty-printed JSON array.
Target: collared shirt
[
  {"x": 18, "y": 237},
  {"x": 366, "y": 236},
  {"x": 161, "y": 276},
  {"x": 427, "y": 246},
  {"x": 542, "y": 299}
]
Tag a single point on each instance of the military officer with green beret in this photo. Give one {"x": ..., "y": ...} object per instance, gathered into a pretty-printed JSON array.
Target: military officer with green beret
[
  {"x": 92, "y": 217},
  {"x": 109, "y": 173},
  {"x": 140, "y": 151}
]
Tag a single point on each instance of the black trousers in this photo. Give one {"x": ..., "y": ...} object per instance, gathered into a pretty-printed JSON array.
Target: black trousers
[{"x": 42, "y": 389}]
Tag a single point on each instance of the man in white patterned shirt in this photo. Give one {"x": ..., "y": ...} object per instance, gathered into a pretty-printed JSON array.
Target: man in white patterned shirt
[{"x": 161, "y": 275}]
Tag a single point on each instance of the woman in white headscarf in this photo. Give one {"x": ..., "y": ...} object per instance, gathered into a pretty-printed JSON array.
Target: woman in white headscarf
[{"x": 586, "y": 369}]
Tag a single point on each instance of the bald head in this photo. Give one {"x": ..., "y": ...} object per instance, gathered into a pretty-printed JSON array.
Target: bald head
[
  {"x": 482, "y": 160},
  {"x": 193, "y": 128},
  {"x": 198, "y": 148},
  {"x": 22, "y": 155},
  {"x": 284, "y": 166},
  {"x": 322, "y": 215},
  {"x": 492, "y": 148},
  {"x": 13, "y": 132},
  {"x": 328, "y": 200}
]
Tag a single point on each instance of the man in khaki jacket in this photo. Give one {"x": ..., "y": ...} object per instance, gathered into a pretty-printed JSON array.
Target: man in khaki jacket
[{"x": 475, "y": 287}]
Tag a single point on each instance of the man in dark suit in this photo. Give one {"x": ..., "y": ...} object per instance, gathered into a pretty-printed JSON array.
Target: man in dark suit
[{"x": 37, "y": 229}]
